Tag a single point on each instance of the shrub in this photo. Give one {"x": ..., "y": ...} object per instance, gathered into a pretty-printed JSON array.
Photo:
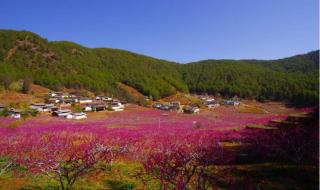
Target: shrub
[
  {"x": 142, "y": 101},
  {"x": 77, "y": 108},
  {"x": 26, "y": 86},
  {"x": 4, "y": 112},
  {"x": 16, "y": 86}
]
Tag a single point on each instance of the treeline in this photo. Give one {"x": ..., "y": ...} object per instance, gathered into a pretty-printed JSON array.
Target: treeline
[{"x": 25, "y": 55}]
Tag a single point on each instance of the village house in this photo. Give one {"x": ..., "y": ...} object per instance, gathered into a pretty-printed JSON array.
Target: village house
[
  {"x": 65, "y": 95},
  {"x": 71, "y": 100},
  {"x": 72, "y": 96},
  {"x": 14, "y": 113},
  {"x": 232, "y": 102},
  {"x": 61, "y": 113},
  {"x": 87, "y": 108},
  {"x": 117, "y": 106},
  {"x": 211, "y": 106},
  {"x": 41, "y": 107},
  {"x": 85, "y": 100},
  {"x": 103, "y": 98},
  {"x": 107, "y": 99},
  {"x": 157, "y": 105},
  {"x": 59, "y": 94},
  {"x": 54, "y": 108},
  {"x": 2, "y": 107},
  {"x": 165, "y": 107},
  {"x": 52, "y": 94},
  {"x": 54, "y": 100},
  {"x": 94, "y": 107},
  {"x": 175, "y": 106},
  {"x": 98, "y": 107},
  {"x": 191, "y": 109},
  {"x": 80, "y": 115},
  {"x": 211, "y": 103}
]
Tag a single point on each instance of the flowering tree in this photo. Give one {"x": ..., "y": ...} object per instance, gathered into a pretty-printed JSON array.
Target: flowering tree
[
  {"x": 183, "y": 162},
  {"x": 63, "y": 155}
]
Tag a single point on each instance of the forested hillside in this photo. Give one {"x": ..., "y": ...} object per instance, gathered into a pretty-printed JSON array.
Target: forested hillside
[
  {"x": 25, "y": 55},
  {"x": 275, "y": 80},
  {"x": 66, "y": 64}
]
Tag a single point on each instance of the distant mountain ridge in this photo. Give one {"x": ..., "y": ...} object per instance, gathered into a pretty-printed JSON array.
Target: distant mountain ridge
[{"x": 60, "y": 64}]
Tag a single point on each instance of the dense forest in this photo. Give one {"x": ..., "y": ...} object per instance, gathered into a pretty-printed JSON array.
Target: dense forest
[
  {"x": 294, "y": 79},
  {"x": 27, "y": 56}
]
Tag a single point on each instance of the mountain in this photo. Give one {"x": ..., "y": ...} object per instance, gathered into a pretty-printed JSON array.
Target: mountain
[{"x": 25, "y": 55}]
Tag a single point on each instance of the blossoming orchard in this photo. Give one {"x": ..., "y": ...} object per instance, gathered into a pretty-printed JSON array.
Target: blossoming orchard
[{"x": 169, "y": 150}]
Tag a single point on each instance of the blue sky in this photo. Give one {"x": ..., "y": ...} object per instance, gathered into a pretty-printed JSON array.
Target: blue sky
[{"x": 177, "y": 30}]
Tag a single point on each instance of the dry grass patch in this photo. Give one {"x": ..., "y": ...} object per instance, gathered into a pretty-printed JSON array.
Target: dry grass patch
[
  {"x": 12, "y": 97},
  {"x": 246, "y": 108}
]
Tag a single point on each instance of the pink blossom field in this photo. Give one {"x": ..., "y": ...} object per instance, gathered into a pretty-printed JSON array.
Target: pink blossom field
[
  {"x": 138, "y": 124},
  {"x": 153, "y": 138}
]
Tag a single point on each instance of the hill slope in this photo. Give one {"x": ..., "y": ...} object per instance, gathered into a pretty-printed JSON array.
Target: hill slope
[{"x": 65, "y": 64}]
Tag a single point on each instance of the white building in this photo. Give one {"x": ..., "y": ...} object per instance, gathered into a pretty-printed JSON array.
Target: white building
[
  {"x": 79, "y": 115},
  {"x": 117, "y": 106},
  {"x": 85, "y": 100},
  {"x": 87, "y": 108},
  {"x": 15, "y": 113},
  {"x": 41, "y": 107},
  {"x": 62, "y": 113}
]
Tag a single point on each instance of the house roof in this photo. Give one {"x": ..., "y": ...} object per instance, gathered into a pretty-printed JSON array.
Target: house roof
[
  {"x": 85, "y": 98},
  {"x": 79, "y": 114},
  {"x": 38, "y": 104},
  {"x": 12, "y": 110},
  {"x": 63, "y": 111}
]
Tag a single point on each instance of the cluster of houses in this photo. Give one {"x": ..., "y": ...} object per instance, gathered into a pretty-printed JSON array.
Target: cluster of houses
[
  {"x": 57, "y": 103},
  {"x": 171, "y": 106},
  {"x": 98, "y": 103},
  {"x": 87, "y": 104},
  {"x": 210, "y": 102},
  {"x": 177, "y": 107},
  {"x": 56, "y": 111}
]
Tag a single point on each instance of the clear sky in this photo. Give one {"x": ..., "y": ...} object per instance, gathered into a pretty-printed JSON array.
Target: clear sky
[{"x": 177, "y": 30}]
